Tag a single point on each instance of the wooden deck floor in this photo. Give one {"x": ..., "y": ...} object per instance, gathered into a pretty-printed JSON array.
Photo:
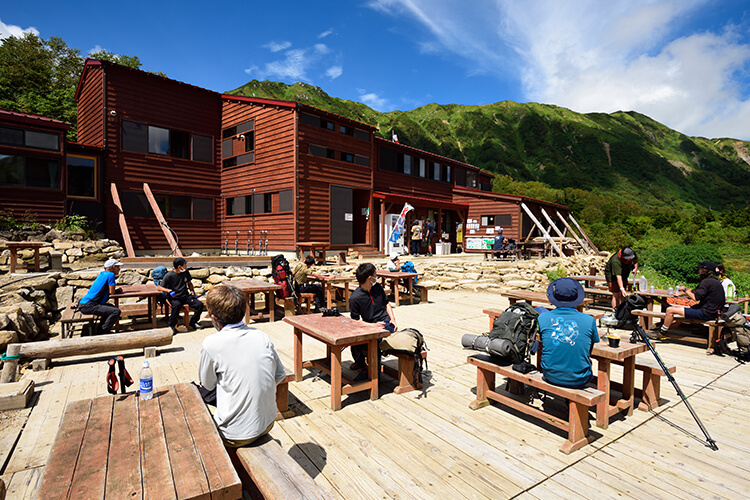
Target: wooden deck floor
[{"x": 429, "y": 444}]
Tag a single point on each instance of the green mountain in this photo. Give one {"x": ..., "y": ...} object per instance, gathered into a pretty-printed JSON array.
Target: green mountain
[{"x": 623, "y": 155}]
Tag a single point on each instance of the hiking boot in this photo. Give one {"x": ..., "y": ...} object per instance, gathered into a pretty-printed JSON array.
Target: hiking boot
[
  {"x": 362, "y": 376},
  {"x": 656, "y": 334},
  {"x": 195, "y": 326},
  {"x": 174, "y": 330}
]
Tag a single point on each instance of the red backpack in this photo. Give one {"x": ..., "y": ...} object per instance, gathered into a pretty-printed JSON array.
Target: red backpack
[{"x": 282, "y": 276}]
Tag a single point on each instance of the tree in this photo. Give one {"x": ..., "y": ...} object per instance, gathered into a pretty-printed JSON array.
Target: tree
[
  {"x": 129, "y": 61},
  {"x": 40, "y": 76}
]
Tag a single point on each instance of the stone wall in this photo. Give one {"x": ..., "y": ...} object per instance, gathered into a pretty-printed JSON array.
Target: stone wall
[
  {"x": 28, "y": 307},
  {"x": 81, "y": 252}
]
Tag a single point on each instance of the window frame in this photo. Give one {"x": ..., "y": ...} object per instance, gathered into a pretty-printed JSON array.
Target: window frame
[{"x": 96, "y": 177}]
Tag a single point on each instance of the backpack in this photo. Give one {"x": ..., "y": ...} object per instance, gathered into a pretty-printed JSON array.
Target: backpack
[
  {"x": 408, "y": 267},
  {"x": 624, "y": 312},
  {"x": 733, "y": 316},
  {"x": 158, "y": 274},
  {"x": 282, "y": 275},
  {"x": 516, "y": 325},
  {"x": 410, "y": 341}
]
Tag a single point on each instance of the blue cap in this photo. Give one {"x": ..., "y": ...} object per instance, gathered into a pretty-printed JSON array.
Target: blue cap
[{"x": 565, "y": 292}]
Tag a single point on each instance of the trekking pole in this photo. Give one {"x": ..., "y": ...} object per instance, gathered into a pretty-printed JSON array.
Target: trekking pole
[
  {"x": 247, "y": 244},
  {"x": 639, "y": 333},
  {"x": 252, "y": 244},
  {"x": 236, "y": 241}
]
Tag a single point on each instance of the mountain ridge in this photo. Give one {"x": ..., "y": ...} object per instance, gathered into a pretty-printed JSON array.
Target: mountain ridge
[{"x": 625, "y": 154}]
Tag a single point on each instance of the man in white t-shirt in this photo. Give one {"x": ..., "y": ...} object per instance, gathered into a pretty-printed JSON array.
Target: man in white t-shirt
[{"x": 241, "y": 365}]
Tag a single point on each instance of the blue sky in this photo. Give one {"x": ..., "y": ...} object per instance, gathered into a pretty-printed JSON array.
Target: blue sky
[{"x": 685, "y": 63}]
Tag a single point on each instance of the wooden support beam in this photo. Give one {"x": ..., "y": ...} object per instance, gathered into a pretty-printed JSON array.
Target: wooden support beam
[
  {"x": 552, "y": 224},
  {"x": 583, "y": 233},
  {"x": 544, "y": 231},
  {"x": 121, "y": 219},
  {"x": 583, "y": 245},
  {"x": 162, "y": 223}
]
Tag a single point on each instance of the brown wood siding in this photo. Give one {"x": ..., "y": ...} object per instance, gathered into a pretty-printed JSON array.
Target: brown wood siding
[
  {"x": 150, "y": 99},
  {"x": 335, "y": 171},
  {"x": 271, "y": 171},
  {"x": 479, "y": 206},
  {"x": 91, "y": 107},
  {"x": 43, "y": 205},
  {"x": 402, "y": 184},
  {"x": 314, "y": 211}
]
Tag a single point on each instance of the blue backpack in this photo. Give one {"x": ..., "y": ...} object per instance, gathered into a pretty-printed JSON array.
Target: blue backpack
[
  {"x": 408, "y": 267},
  {"x": 158, "y": 274}
]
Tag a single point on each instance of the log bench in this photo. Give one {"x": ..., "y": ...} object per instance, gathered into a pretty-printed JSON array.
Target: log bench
[
  {"x": 268, "y": 472},
  {"x": 650, "y": 392},
  {"x": 406, "y": 375},
  {"x": 579, "y": 400},
  {"x": 714, "y": 327}
]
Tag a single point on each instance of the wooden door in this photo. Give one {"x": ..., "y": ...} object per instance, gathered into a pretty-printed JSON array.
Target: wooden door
[{"x": 342, "y": 215}]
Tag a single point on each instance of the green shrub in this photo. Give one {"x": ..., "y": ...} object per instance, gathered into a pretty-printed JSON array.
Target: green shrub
[
  {"x": 558, "y": 272},
  {"x": 72, "y": 223},
  {"x": 680, "y": 262}
]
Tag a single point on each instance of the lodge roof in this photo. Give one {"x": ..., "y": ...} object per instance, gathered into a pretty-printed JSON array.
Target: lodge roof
[{"x": 30, "y": 119}]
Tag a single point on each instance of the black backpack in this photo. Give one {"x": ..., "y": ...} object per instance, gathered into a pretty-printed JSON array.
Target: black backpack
[
  {"x": 516, "y": 325},
  {"x": 624, "y": 313},
  {"x": 409, "y": 341}
]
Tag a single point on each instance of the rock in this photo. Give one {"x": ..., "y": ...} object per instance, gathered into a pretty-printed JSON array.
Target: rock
[
  {"x": 81, "y": 283},
  {"x": 215, "y": 279},
  {"x": 112, "y": 249},
  {"x": 4, "y": 257},
  {"x": 448, "y": 285},
  {"x": 74, "y": 252},
  {"x": 200, "y": 274},
  {"x": 265, "y": 272},
  {"x": 216, "y": 270},
  {"x": 79, "y": 293},
  {"x": 40, "y": 297},
  {"x": 54, "y": 234},
  {"x": 63, "y": 297},
  {"x": 95, "y": 258},
  {"x": 520, "y": 284},
  {"x": 196, "y": 283},
  {"x": 40, "y": 283},
  {"x": 130, "y": 278},
  {"x": 472, "y": 276},
  {"x": 7, "y": 337},
  {"x": 10, "y": 299},
  {"x": 233, "y": 272},
  {"x": 63, "y": 245}
]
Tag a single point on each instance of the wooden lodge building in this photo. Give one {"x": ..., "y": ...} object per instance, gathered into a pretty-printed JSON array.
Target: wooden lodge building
[{"x": 223, "y": 168}]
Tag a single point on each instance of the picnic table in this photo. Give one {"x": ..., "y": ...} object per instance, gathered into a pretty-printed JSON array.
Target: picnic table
[
  {"x": 337, "y": 333},
  {"x": 148, "y": 291},
  {"x": 328, "y": 281},
  {"x": 312, "y": 247},
  {"x": 252, "y": 286},
  {"x": 604, "y": 356},
  {"x": 393, "y": 277},
  {"x": 122, "y": 447},
  {"x": 514, "y": 296},
  {"x": 14, "y": 246}
]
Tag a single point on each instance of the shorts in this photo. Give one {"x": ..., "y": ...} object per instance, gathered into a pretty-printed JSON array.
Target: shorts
[
  {"x": 613, "y": 287},
  {"x": 691, "y": 313}
]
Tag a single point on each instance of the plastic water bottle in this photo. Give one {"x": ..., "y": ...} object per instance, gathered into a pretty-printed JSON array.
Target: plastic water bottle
[
  {"x": 147, "y": 382},
  {"x": 670, "y": 291},
  {"x": 643, "y": 285},
  {"x": 731, "y": 293}
]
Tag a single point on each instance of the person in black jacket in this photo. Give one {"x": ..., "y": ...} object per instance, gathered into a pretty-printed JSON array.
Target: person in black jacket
[
  {"x": 369, "y": 303},
  {"x": 176, "y": 284},
  {"x": 710, "y": 296}
]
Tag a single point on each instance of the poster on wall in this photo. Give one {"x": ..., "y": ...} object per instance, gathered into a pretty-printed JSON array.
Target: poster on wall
[{"x": 479, "y": 243}]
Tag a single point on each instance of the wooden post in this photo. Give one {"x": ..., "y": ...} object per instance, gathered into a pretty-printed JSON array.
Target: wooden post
[
  {"x": 585, "y": 246},
  {"x": 552, "y": 224},
  {"x": 544, "y": 231},
  {"x": 162, "y": 223},
  {"x": 583, "y": 233},
  {"x": 10, "y": 366},
  {"x": 121, "y": 219}
]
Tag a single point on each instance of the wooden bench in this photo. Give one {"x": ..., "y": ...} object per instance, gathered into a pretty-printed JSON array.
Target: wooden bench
[
  {"x": 579, "y": 400},
  {"x": 714, "y": 326},
  {"x": 282, "y": 398},
  {"x": 423, "y": 291},
  {"x": 650, "y": 392},
  {"x": 489, "y": 254},
  {"x": 70, "y": 316},
  {"x": 407, "y": 381},
  {"x": 268, "y": 472},
  {"x": 304, "y": 304}
]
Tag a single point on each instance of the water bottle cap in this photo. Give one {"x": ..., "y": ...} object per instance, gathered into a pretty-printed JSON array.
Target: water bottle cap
[{"x": 145, "y": 364}]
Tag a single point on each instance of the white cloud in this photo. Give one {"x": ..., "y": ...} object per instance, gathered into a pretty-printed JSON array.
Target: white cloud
[
  {"x": 334, "y": 72},
  {"x": 277, "y": 46},
  {"x": 326, "y": 33},
  {"x": 321, "y": 48},
  {"x": 374, "y": 100},
  {"x": 590, "y": 55},
  {"x": 7, "y": 30},
  {"x": 97, "y": 48}
]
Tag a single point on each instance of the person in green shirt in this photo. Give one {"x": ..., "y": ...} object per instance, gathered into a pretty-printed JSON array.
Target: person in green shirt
[{"x": 616, "y": 272}]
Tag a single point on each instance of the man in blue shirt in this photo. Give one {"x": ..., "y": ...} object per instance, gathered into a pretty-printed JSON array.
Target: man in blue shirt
[
  {"x": 568, "y": 336},
  {"x": 95, "y": 300}
]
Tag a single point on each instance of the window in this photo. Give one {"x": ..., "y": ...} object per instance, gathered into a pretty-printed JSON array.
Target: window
[
  {"x": 30, "y": 172},
  {"x": 321, "y": 151},
  {"x": 471, "y": 179},
  {"x": 436, "y": 171},
  {"x": 29, "y": 138},
  {"x": 407, "y": 164},
  {"x": 388, "y": 159},
  {"x": 446, "y": 173},
  {"x": 362, "y": 160},
  {"x": 174, "y": 207},
  {"x": 203, "y": 209},
  {"x": 82, "y": 177},
  {"x": 229, "y": 132},
  {"x": 203, "y": 148},
  {"x": 135, "y": 204},
  {"x": 361, "y": 134},
  {"x": 249, "y": 140},
  {"x": 348, "y": 157},
  {"x": 317, "y": 121},
  {"x": 286, "y": 201},
  {"x": 487, "y": 220},
  {"x": 346, "y": 130},
  {"x": 229, "y": 162},
  {"x": 246, "y": 158},
  {"x": 503, "y": 220},
  {"x": 142, "y": 138},
  {"x": 422, "y": 168}
]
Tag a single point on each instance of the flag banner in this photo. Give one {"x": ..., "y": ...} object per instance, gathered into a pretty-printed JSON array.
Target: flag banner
[{"x": 399, "y": 227}]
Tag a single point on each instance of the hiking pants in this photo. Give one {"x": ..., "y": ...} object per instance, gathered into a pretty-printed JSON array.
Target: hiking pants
[
  {"x": 177, "y": 302},
  {"x": 109, "y": 315}
]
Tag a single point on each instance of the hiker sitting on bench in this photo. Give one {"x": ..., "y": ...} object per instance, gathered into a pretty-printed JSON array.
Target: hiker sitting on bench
[
  {"x": 239, "y": 370},
  {"x": 568, "y": 336},
  {"x": 370, "y": 303},
  {"x": 176, "y": 283},
  {"x": 301, "y": 285},
  {"x": 710, "y": 297},
  {"x": 95, "y": 300}
]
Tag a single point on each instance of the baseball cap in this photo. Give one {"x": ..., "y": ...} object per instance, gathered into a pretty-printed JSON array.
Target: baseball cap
[
  {"x": 394, "y": 256},
  {"x": 112, "y": 263},
  {"x": 708, "y": 264}
]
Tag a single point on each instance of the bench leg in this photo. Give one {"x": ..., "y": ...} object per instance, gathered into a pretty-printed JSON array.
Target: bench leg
[
  {"x": 422, "y": 295},
  {"x": 578, "y": 428},
  {"x": 282, "y": 401},
  {"x": 405, "y": 375},
  {"x": 485, "y": 384},
  {"x": 650, "y": 397}
]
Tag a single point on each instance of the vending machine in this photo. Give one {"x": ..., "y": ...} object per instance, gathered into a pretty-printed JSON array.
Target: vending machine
[{"x": 385, "y": 233}]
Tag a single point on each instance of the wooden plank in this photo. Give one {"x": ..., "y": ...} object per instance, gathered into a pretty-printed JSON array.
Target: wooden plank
[
  {"x": 91, "y": 469},
  {"x": 124, "y": 465},
  {"x": 189, "y": 477},
  {"x": 121, "y": 221},
  {"x": 222, "y": 478},
  {"x": 583, "y": 245},
  {"x": 583, "y": 233},
  {"x": 58, "y": 473},
  {"x": 23, "y": 484},
  {"x": 544, "y": 231},
  {"x": 157, "y": 473},
  {"x": 15, "y": 395},
  {"x": 162, "y": 223}
]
